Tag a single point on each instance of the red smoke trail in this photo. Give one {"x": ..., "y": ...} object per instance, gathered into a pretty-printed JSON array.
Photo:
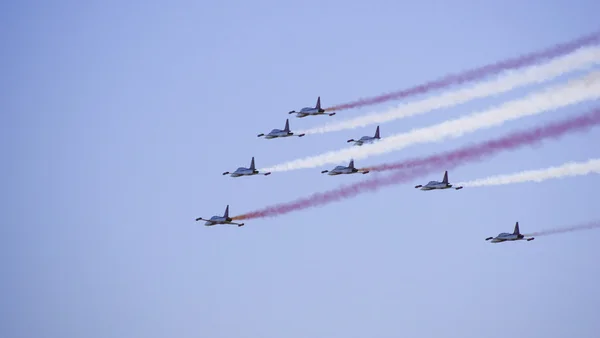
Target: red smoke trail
[
  {"x": 587, "y": 226},
  {"x": 477, "y": 73},
  {"x": 420, "y": 167}
]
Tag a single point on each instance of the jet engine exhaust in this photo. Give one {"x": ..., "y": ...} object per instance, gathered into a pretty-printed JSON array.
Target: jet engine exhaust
[
  {"x": 475, "y": 74},
  {"x": 423, "y": 166},
  {"x": 580, "y": 227}
]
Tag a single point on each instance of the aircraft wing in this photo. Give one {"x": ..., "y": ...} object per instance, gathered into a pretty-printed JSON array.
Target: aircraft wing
[{"x": 238, "y": 224}]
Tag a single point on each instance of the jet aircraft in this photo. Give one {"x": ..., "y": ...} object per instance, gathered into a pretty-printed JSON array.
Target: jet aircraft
[
  {"x": 225, "y": 219},
  {"x": 241, "y": 171},
  {"x": 515, "y": 236},
  {"x": 366, "y": 139},
  {"x": 275, "y": 133},
  {"x": 317, "y": 110},
  {"x": 341, "y": 170},
  {"x": 432, "y": 185}
]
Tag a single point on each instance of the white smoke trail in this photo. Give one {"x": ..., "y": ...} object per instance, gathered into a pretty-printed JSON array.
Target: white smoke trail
[
  {"x": 585, "y": 226},
  {"x": 575, "y": 91},
  {"x": 565, "y": 170},
  {"x": 580, "y": 59}
]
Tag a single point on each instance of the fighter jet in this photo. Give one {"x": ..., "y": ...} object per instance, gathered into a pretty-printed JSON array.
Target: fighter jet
[
  {"x": 432, "y": 185},
  {"x": 341, "y": 170},
  {"x": 317, "y": 110},
  {"x": 515, "y": 236},
  {"x": 219, "y": 219},
  {"x": 241, "y": 171},
  {"x": 366, "y": 139},
  {"x": 275, "y": 133}
]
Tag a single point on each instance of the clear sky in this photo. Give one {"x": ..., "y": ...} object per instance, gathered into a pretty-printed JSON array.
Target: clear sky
[{"x": 118, "y": 118}]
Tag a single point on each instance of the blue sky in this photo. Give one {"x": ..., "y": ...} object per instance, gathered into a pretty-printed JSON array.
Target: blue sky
[{"x": 118, "y": 118}]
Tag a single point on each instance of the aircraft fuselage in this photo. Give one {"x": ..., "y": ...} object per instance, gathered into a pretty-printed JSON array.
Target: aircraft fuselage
[
  {"x": 504, "y": 237},
  {"x": 217, "y": 220},
  {"x": 212, "y": 223},
  {"x": 243, "y": 172},
  {"x": 345, "y": 171},
  {"x": 225, "y": 219},
  {"x": 436, "y": 186},
  {"x": 516, "y": 235},
  {"x": 310, "y": 112},
  {"x": 342, "y": 172},
  {"x": 278, "y": 133},
  {"x": 365, "y": 140}
]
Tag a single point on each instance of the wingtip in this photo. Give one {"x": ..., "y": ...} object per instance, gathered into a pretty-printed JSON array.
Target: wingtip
[
  {"x": 301, "y": 135},
  {"x": 267, "y": 174},
  {"x": 324, "y": 171}
]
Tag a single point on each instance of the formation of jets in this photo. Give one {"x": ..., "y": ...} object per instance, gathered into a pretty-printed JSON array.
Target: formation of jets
[{"x": 339, "y": 170}]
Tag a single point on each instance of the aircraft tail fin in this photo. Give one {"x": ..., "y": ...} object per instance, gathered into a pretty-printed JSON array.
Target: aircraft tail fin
[
  {"x": 287, "y": 125},
  {"x": 445, "y": 180},
  {"x": 226, "y": 214},
  {"x": 351, "y": 164},
  {"x": 516, "y": 232},
  {"x": 377, "y": 132},
  {"x": 252, "y": 164},
  {"x": 318, "y": 106}
]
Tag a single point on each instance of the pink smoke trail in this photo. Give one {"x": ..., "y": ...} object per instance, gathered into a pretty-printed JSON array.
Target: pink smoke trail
[
  {"x": 477, "y": 73},
  {"x": 586, "y": 226},
  {"x": 448, "y": 160}
]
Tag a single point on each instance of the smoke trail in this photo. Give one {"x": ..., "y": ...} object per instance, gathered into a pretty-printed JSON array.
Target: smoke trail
[
  {"x": 477, "y": 73},
  {"x": 575, "y": 91},
  {"x": 565, "y": 170},
  {"x": 580, "y": 59},
  {"x": 586, "y": 226},
  {"x": 422, "y": 166}
]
